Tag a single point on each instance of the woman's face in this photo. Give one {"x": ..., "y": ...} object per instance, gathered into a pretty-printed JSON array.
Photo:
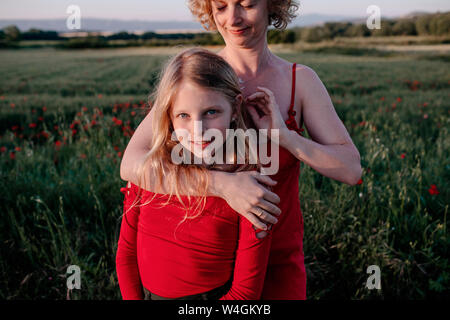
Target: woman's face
[
  {"x": 241, "y": 22},
  {"x": 196, "y": 109}
]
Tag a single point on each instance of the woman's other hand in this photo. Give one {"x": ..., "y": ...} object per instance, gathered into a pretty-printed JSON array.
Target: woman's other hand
[{"x": 264, "y": 110}]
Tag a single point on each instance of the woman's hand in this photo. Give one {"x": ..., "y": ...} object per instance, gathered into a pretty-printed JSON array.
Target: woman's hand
[
  {"x": 264, "y": 111},
  {"x": 256, "y": 203}
]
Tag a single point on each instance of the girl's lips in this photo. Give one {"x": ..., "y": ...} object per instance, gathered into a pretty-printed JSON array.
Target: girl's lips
[{"x": 203, "y": 144}]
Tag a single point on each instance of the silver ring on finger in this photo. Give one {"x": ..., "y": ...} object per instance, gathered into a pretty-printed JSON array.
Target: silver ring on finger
[{"x": 259, "y": 211}]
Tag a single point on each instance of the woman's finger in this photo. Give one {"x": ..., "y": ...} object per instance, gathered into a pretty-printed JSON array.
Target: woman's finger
[
  {"x": 256, "y": 95},
  {"x": 259, "y": 96},
  {"x": 253, "y": 113},
  {"x": 264, "y": 106},
  {"x": 261, "y": 103},
  {"x": 255, "y": 221},
  {"x": 269, "y": 96},
  {"x": 265, "y": 179},
  {"x": 270, "y": 207},
  {"x": 261, "y": 234},
  {"x": 264, "y": 215},
  {"x": 271, "y": 196},
  {"x": 265, "y": 100},
  {"x": 266, "y": 91}
]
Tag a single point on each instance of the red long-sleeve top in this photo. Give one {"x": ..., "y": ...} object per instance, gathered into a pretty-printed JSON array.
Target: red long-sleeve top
[{"x": 174, "y": 260}]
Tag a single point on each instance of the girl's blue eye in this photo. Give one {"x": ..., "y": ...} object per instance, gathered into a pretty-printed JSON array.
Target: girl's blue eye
[
  {"x": 183, "y": 115},
  {"x": 220, "y": 9},
  {"x": 211, "y": 112}
]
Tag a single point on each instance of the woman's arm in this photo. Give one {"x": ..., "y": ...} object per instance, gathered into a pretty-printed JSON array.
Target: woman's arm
[
  {"x": 224, "y": 185},
  {"x": 126, "y": 256},
  {"x": 331, "y": 151},
  {"x": 252, "y": 256}
]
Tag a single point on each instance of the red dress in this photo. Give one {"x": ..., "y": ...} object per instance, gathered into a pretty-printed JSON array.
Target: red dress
[
  {"x": 199, "y": 255},
  {"x": 286, "y": 275}
]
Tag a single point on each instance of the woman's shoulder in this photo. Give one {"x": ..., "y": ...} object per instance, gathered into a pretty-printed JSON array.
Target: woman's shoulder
[
  {"x": 284, "y": 65},
  {"x": 305, "y": 72}
]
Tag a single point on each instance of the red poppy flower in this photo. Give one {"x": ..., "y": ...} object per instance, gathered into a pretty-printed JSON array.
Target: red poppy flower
[
  {"x": 3, "y": 149},
  {"x": 433, "y": 190},
  {"x": 73, "y": 124},
  {"x": 32, "y": 125},
  {"x": 12, "y": 155},
  {"x": 359, "y": 181},
  {"x": 117, "y": 121},
  {"x": 403, "y": 156}
]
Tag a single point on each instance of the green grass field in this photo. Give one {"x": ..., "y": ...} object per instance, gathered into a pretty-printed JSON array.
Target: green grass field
[{"x": 66, "y": 117}]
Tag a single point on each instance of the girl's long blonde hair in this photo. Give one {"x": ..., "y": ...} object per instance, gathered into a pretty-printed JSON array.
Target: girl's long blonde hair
[{"x": 208, "y": 71}]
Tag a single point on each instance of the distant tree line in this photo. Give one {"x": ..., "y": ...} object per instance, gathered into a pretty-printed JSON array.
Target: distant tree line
[
  {"x": 125, "y": 39},
  {"x": 437, "y": 24},
  {"x": 425, "y": 25}
]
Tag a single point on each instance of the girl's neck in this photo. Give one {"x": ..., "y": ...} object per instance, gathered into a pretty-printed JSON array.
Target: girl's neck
[{"x": 248, "y": 63}]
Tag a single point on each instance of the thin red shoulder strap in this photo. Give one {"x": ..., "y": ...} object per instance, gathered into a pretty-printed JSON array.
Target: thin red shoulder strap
[{"x": 291, "y": 107}]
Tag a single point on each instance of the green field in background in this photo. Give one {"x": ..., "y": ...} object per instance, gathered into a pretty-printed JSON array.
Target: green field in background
[{"x": 66, "y": 118}]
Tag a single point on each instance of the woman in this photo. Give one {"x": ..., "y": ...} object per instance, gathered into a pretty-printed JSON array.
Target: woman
[
  {"x": 302, "y": 98},
  {"x": 175, "y": 242}
]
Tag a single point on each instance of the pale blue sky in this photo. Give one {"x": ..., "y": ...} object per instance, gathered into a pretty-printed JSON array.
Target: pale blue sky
[{"x": 177, "y": 10}]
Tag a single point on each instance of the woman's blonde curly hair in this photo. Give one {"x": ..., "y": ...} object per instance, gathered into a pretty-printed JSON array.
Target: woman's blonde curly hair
[{"x": 281, "y": 12}]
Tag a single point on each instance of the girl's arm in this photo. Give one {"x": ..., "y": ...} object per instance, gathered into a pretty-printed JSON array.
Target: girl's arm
[
  {"x": 252, "y": 256},
  {"x": 126, "y": 256},
  {"x": 228, "y": 186}
]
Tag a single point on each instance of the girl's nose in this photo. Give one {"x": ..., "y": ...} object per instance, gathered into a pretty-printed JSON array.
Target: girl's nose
[{"x": 197, "y": 132}]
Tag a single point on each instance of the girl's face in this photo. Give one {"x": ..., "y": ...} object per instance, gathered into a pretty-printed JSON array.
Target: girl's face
[
  {"x": 193, "y": 104},
  {"x": 241, "y": 22}
]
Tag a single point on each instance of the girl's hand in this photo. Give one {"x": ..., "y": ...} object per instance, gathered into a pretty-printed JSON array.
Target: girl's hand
[
  {"x": 264, "y": 110},
  {"x": 257, "y": 204}
]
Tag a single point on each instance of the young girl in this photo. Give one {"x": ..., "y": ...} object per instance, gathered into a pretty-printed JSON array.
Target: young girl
[{"x": 176, "y": 242}]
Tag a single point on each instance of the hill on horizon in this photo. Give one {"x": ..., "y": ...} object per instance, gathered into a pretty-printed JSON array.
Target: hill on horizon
[{"x": 117, "y": 25}]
